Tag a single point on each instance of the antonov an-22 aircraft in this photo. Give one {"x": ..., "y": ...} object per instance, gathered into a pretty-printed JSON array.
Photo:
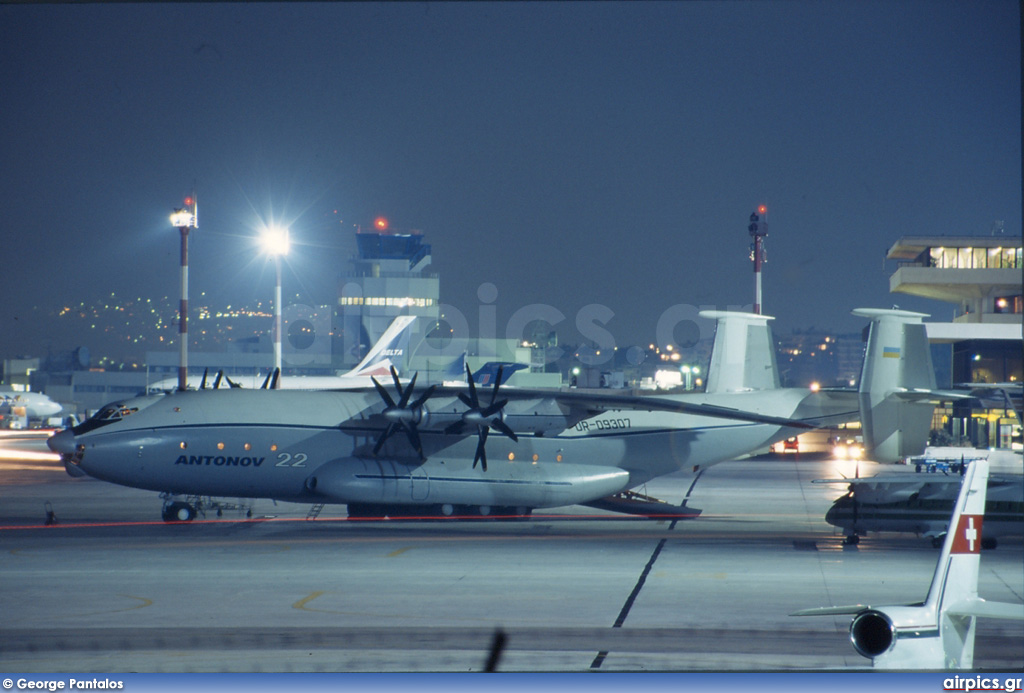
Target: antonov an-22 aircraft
[{"x": 397, "y": 451}]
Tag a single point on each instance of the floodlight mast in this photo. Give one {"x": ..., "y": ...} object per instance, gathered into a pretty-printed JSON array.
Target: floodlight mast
[
  {"x": 184, "y": 219},
  {"x": 276, "y": 243}
]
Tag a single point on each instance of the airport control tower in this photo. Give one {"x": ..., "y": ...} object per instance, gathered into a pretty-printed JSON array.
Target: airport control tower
[{"x": 388, "y": 278}]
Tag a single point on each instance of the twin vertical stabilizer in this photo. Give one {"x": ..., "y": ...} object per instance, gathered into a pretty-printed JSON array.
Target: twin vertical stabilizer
[
  {"x": 896, "y": 377},
  {"x": 743, "y": 355}
]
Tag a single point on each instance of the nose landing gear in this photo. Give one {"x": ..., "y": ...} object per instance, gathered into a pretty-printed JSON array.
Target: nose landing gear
[{"x": 178, "y": 511}]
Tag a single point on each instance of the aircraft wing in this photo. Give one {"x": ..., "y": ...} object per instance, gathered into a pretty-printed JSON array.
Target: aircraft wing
[
  {"x": 586, "y": 404},
  {"x": 552, "y": 409}
]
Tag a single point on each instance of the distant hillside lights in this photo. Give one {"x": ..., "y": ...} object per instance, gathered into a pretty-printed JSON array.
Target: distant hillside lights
[{"x": 127, "y": 327}]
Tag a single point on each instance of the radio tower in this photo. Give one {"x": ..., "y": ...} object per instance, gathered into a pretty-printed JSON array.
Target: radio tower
[{"x": 758, "y": 229}]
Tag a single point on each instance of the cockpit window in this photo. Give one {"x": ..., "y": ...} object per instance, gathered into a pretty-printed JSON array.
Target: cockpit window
[{"x": 113, "y": 412}]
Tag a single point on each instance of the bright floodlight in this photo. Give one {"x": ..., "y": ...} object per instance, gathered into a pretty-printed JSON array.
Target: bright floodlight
[
  {"x": 182, "y": 218},
  {"x": 275, "y": 241}
]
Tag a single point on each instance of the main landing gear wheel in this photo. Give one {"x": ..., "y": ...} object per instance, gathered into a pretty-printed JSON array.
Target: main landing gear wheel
[
  {"x": 178, "y": 512},
  {"x": 851, "y": 540}
]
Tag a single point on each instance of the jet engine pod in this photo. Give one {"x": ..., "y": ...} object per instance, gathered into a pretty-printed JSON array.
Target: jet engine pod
[{"x": 872, "y": 633}]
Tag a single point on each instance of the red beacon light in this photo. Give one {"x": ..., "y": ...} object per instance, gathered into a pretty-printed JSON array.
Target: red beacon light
[
  {"x": 380, "y": 223},
  {"x": 762, "y": 210}
]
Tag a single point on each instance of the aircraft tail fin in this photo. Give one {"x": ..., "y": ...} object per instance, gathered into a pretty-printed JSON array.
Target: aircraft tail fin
[
  {"x": 456, "y": 370},
  {"x": 743, "y": 355},
  {"x": 897, "y": 362},
  {"x": 488, "y": 373},
  {"x": 388, "y": 351}
]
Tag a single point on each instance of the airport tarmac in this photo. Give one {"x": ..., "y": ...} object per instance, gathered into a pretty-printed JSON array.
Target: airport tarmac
[{"x": 110, "y": 588}]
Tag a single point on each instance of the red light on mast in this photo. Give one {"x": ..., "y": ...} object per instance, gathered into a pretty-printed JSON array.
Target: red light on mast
[
  {"x": 380, "y": 223},
  {"x": 762, "y": 210}
]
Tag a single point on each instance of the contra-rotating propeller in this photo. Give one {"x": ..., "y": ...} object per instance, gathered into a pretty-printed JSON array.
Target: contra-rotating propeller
[
  {"x": 484, "y": 418},
  {"x": 216, "y": 381},
  {"x": 401, "y": 415}
]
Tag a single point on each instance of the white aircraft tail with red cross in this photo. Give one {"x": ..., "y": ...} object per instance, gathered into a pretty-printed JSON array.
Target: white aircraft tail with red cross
[{"x": 939, "y": 632}]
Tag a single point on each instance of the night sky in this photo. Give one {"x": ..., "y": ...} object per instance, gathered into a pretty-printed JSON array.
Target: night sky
[{"x": 571, "y": 154}]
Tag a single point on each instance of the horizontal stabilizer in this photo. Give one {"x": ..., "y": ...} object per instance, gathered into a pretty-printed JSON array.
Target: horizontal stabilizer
[
  {"x": 832, "y": 610},
  {"x": 932, "y": 396},
  {"x": 981, "y": 607}
]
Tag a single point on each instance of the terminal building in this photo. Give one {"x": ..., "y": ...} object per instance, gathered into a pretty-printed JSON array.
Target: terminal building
[{"x": 981, "y": 277}]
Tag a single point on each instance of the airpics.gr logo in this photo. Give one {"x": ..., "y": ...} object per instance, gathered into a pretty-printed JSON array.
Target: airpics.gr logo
[{"x": 890, "y": 352}]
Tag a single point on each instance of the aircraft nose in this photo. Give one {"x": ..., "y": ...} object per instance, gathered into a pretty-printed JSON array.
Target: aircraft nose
[{"x": 62, "y": 442}]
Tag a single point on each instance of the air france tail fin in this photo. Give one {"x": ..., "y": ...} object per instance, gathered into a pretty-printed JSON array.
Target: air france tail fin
[
  {"x": 488, "y": 373},
  {"x": 456, "y": 370},
  {"x": 897, "y": 368},
  {"x": 743, "y": 355},
  {"x": 939, "y": 632},
  {"x": 388, "y": 351}
]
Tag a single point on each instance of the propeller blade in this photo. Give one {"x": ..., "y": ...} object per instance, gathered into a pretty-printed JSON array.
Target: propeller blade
[
  {"x": 424, "y": 397},
  {"x": 472, "y": 389},
  {"x": 497, "y": 384},
  {"x": 499, "y": 425},
  {"x": 481, "y": 453},
  {"x": 232, "y": 383},
  {"x": 273, "y": 381},
  {"x": 384, "y": 394},
  {"x": 466, "y": 400},
  {"x": 404, "y": 402},
  {"x": 216, "y": 381},
  {"x": 266, "y": 382},
  {"x": 383, "y": 437},
  {"x": 414, "y": 439},
  {"x": 202, "y": 385},
  {"x": 494, "y": 408}
]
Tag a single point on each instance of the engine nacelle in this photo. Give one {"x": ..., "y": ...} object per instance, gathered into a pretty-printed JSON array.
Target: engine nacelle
[
  {"x": 872, "y": 633},
  {"x": 389, "y": 481}
]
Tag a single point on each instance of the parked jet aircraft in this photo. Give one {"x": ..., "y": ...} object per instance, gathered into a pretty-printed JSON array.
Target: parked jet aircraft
[
  {"x": 385, "y": 354},
  {"x": 937, "y": 633},
  {"x": 392, "y": 454},
  {"x": 921, "y": 502},
  {"x": 36, "y": 405}
]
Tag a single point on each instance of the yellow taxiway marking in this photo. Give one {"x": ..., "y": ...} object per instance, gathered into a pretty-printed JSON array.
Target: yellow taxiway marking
[
  {"x": 144, "y": 604},
  {"x": 399, "y": 552},
  {"x": 301, "y": 604}
]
